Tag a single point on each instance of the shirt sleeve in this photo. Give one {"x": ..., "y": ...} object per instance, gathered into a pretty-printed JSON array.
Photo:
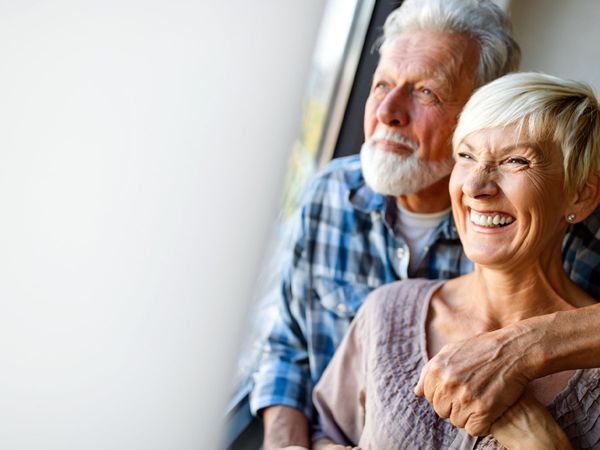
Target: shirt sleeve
[
  {"x": 340, "y": 394},
  {"x": 581, "y": 254},
  {"x": 283, "y": 375}
]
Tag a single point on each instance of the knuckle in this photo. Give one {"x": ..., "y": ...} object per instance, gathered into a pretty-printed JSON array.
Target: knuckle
[
  {"x": 477, "y": 425},
  {"x": 441, "y": 412},
  {"x": 466, "y": 398},
  {"x": 484, "y": 406}
]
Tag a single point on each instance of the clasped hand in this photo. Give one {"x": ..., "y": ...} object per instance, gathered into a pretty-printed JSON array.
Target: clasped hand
[{"x": 473, "y": 382}]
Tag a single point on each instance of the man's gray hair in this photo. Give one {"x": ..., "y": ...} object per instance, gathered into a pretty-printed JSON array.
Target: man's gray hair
[{"x": 482, "y": 20}]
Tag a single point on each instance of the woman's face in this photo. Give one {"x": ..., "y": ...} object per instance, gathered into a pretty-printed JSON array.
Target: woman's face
[{"x": 508, "y": 198}]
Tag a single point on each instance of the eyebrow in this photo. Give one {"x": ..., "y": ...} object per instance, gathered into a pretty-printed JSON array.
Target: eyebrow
[
  {"x": 436, "y": 75},
  {"x": 507, "y": 148}
]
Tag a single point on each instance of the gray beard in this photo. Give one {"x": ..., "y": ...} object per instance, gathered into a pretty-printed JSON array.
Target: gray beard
[{"x": 389, "y": 173}]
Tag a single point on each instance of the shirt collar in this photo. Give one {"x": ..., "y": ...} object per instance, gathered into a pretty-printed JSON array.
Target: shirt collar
[
  {"x": 448, "y": 229},
  {"x": 364, "y": 199},
  {"x": 361, "y": 196}
]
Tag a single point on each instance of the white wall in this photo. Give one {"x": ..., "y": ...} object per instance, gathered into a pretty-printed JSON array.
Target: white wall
[
  {"x": 142, "y": 147},
  {"x": 560, "y": 37}
]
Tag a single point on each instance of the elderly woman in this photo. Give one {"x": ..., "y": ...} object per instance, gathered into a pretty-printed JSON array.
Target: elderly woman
[{"x": 527, "y": 150}]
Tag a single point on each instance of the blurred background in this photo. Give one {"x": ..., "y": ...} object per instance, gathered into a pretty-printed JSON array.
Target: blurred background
[{"x": 143, "y": 148}]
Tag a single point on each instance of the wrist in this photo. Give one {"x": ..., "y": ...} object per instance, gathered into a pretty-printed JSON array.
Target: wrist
[
  {"x": 552, "y": 441},
  {"x": 285, "y": 426},
  {"x": 534, "y": 341}
]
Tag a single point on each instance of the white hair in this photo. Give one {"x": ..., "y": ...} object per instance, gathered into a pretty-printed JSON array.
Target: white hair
[
  {"x": 546, "y": 108},
  {"x": 481, "y": 20}
]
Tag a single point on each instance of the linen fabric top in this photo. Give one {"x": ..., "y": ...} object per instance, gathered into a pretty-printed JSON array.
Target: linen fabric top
[
  {"x": 346, "y": 242},
  {"x": 366, "y": 397}
]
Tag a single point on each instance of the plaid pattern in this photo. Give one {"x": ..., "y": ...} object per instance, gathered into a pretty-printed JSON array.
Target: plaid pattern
[{"x": 345, "y": 244}]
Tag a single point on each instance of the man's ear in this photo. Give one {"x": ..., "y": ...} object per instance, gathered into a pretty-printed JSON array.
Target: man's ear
[{"x": 586, "y": 199}]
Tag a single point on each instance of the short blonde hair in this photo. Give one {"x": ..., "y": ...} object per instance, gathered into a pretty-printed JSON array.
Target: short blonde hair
[{"x": 546, "y": 108}]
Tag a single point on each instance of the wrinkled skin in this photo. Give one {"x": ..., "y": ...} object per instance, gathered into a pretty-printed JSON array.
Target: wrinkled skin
[{"x": 474, "y": 381}]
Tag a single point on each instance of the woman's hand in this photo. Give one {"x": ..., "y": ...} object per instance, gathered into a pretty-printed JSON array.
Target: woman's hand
[
  {"x": 528, "y": 425},
  {"x": 328, "y": 444},
  {"x": 338, "y": 447},
  {"x": 293, "y": 447}
]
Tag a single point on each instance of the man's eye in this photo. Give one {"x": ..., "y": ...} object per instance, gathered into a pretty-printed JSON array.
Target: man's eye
[
  {"x": 380, "y": 85},
  {"x": 426, "y": 95}
]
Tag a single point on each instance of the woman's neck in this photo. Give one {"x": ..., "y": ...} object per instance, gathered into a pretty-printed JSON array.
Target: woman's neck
[
  {"x": 493, "y": 298},
  {"x": 502, "y": 296}
]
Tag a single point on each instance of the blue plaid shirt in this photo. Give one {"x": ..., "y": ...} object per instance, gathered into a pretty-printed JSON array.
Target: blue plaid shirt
[{"x": 346, "y": 243}]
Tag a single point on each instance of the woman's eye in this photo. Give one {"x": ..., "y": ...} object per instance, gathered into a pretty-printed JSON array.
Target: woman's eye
[
  {"x": 463, "y": 155},
  {"x": 517, "y": 160}
]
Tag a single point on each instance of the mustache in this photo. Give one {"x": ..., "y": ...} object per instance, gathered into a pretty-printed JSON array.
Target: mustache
[{"x": 392, "y": 136}]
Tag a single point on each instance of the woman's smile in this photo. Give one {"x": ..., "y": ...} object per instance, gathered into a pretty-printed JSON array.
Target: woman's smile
[{"x": 490, "y": 219}]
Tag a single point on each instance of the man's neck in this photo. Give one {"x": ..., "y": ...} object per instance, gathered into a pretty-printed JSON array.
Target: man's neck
[{"x": 433, "y": 199}]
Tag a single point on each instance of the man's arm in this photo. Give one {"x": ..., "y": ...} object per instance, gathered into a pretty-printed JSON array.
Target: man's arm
[
  {"x": 282, "y": 383},
  {"x": 473, "y": 382},
  {"x": 282, "y": 388},
  {"x": 285, "y": 427}
]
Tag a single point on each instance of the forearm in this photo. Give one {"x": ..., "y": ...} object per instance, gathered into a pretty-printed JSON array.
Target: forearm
[
  {"x": 564, "y": 340},
  {"x": 285, "y": 426}
]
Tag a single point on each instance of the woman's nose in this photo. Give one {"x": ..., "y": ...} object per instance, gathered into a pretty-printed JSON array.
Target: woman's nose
[
  {"x": 393, "y": 111},
  {"x": 480, "y": 182}
]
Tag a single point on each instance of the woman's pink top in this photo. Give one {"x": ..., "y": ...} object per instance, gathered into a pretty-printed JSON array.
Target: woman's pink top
[{"x": 365, "y": 396}]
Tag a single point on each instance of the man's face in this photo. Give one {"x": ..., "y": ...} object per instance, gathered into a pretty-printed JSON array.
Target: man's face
[{"x": 422, "y": 81}]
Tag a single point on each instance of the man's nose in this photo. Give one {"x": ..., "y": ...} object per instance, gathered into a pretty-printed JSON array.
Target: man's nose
[
  {"x": 480, "y": 182},
  {"x": 393, "y": 110}
]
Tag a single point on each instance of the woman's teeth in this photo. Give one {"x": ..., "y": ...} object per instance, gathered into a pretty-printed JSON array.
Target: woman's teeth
[{"x": 485, "y": 220}]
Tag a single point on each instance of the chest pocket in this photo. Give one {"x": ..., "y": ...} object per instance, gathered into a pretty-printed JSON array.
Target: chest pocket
[{"x": 340, "y": 297}]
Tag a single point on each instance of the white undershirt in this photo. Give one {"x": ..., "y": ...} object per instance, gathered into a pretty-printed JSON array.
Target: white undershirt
[{"x": 416, "y": 229}]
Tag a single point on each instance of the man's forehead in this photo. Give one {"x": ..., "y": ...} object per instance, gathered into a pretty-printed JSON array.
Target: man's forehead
[
  {"x": 438, "y": 55},
  {"x": 414, "y": 68}
]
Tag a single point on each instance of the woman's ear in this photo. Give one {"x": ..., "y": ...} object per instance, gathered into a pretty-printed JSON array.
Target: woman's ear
[{"x": 585, "y": 200}]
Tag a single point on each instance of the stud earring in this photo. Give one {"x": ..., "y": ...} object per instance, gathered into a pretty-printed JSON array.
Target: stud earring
[{"x": 571, "y": 217}]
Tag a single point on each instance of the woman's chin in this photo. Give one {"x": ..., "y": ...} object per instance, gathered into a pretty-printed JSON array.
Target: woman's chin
[{"x": 489, "y": 257}]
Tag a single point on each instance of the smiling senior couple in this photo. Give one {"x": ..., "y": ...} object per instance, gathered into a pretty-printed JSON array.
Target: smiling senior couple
[{"x": 496, "y": 349}]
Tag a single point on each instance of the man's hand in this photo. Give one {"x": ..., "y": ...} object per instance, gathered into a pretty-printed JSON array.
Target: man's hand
[
  {"x": 285, "y": 427},
  {"x": 527, "y": 425},
  {"x": 473, "y": 382}
]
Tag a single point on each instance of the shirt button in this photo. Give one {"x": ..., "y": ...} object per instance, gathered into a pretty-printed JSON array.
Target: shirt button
[
  {"x": 342, "y": 308},
  {"x": 400, "y": 252},
  {"x": 375, "y": 216}
]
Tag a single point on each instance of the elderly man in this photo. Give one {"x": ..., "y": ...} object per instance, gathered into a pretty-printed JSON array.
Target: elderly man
[{"x": 385, "y": 216}]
